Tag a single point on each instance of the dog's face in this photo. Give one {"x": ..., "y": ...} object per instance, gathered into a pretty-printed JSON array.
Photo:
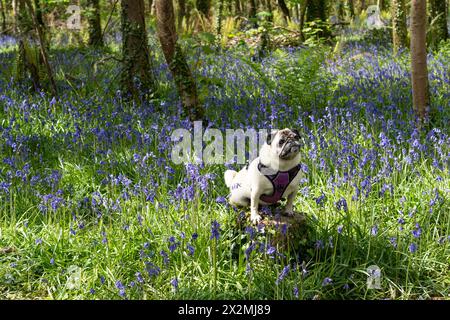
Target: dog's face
[{"x": 285, "y": 143}]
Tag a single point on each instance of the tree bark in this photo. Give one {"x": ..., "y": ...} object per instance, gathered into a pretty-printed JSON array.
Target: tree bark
[
  {"x": 351, "y": 8},
  {"x": 219, "y": 17},
  {"x": 135, "y": 51},
  {"x": 95, "y": 29},
  {"x": 184, "y": 81},
  {"x": 204, "y": 7},
  {"x": 252, "y": 12},
  {"x": 237, "y": 8},
  {"x": 399, "y": 30},
  {"x": 302, "y": 19},
  {"x": 3, "y": 16},
  {"x": 317, "y": 10},
  {"x": 438, "y": 11},
  {"x": 419, "y": 71},
  {"x": 181, "y": 13},
  {"x": 284, "y": 10}
]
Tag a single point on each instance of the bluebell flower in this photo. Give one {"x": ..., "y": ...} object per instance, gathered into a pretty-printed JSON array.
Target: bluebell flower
[
  {"x": 283, "y": 274},
  {"x": 215, "y": 230},
  {"x": 327, "y": 281},
  {"x": 174, "y": 283}
]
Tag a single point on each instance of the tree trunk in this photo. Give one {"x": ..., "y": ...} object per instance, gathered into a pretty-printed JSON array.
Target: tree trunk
[
  {"x": 43, "y": 50},
  {"x": 399, "y": 32},
  {"x": 39, "y": 17},
  {"x": 351, "y": 8},
  {"x": 419, "y": 72},
  {"x": 317, "y": 10},
  {"x": 268, "y": 6},
  {"x": 135, "y": 52},
  {"x": 284, "y": 10},
  {"x": 219, "y": 17},
  {"x": 95, "y": 29},
  {"x": 438, "y": 11},
  {"x": 3, "y": 16},
  {"x": 302, "y": 19},
  {"x": 165, "y": 22},
  {"x": 150, "y": 6},
  {"x": 181, "y": 14},
  {"x": 204, "y": 6},
  {"x": 252, "y": 13},
  {"x": 237, "y": 8}
]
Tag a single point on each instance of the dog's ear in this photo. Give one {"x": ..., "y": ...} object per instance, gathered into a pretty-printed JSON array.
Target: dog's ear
[
  {"x": 270, "y": 136},
  {"x": 295, "y": 131}
]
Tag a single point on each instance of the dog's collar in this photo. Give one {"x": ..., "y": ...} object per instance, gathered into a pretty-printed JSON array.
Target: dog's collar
[{"x": 280, "y": 181}]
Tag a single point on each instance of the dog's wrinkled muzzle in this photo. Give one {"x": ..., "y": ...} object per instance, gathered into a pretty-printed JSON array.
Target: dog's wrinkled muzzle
[{"x": 290, "y": 148}]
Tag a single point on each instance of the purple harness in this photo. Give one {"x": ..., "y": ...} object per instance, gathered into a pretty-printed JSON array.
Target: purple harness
[{"x": 280, "y": 181}]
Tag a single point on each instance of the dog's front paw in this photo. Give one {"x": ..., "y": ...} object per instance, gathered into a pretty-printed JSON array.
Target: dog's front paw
[{"x": 255, "y": 218}]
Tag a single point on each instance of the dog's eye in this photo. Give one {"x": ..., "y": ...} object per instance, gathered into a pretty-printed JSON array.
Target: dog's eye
[{"x": 281, "y": 142}]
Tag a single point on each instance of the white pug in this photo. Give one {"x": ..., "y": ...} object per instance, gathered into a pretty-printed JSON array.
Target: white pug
[{"x": 273, "y": 176}]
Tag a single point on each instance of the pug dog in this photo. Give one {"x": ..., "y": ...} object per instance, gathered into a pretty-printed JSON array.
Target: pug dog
[{"x": 269, "y": 178}]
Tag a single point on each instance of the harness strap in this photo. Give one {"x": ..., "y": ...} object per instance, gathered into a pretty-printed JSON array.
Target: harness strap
[{"x": 280, "y": 181}]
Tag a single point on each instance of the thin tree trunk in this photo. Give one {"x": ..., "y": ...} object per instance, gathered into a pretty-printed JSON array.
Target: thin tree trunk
[
  {"x": 399, "y": 30},
  {"x": 269, "y": 9},
  {"x": 438, "y": 11},
  {"x": 351, "y": 8},
  {"x": 204, "y": 7},
  {"x": 252, "y": 12},
  {"x": 95, "y": 30},
  {"x": 43, "y": 50},
  {"x": 302, "y": 19},
  {"x": 150, "y": 6},
  {"x": 419, "y": 71},
  {"x": 135, "y": 50},
  {"x": 187, "y": 89},
  {"x": 284, "y": 10},
  {"x": 237, "y": 8},
  {"x": 3, "y": 15},
  {"x": 181, "y": 13},
  {"x": 219, "y": 17},
  {"x": 39, "y": 17}
]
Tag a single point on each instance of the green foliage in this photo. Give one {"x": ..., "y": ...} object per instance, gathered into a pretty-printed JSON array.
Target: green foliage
[{"x": 301, "y": 79}]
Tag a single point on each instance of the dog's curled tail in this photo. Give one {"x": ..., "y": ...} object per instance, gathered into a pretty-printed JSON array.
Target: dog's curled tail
[{"x": 229, "y": 177}]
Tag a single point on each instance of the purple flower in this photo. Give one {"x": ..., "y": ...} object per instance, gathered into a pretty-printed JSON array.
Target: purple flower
[
  {"x": 173, "y": 244},
  {"x": 174, "y": 283},
  {"x": 341, "y": 204},
  {"x": 194, "y": 236},
  {"x": 152, "y": 269},
  {"x": 283, "y": 274},
  {"x": 412, "y": 248},
  {"x": 295, "y": 291},
  {"x": 38, "y": 241},
  {"x": 374, "y": 230},
  {"x": 327, "y": 281},
  {"x": 271, "y": 250},
  {"x": 215, "y": 230},
  {"x": 221, "y": 200},
  {"x": 339, "y": 229},
  {"x": 417, "y": 231},
  {"x": 165, "y": 257},
  {"x": 191, "y": 249},
  {"x": 321, "y": 199},
  {"x": 52, "y": 261},
  {"x": 92, "y": 291},
  {"x": 393, "y": 241},
  {"x": 319, "y": 244}
]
